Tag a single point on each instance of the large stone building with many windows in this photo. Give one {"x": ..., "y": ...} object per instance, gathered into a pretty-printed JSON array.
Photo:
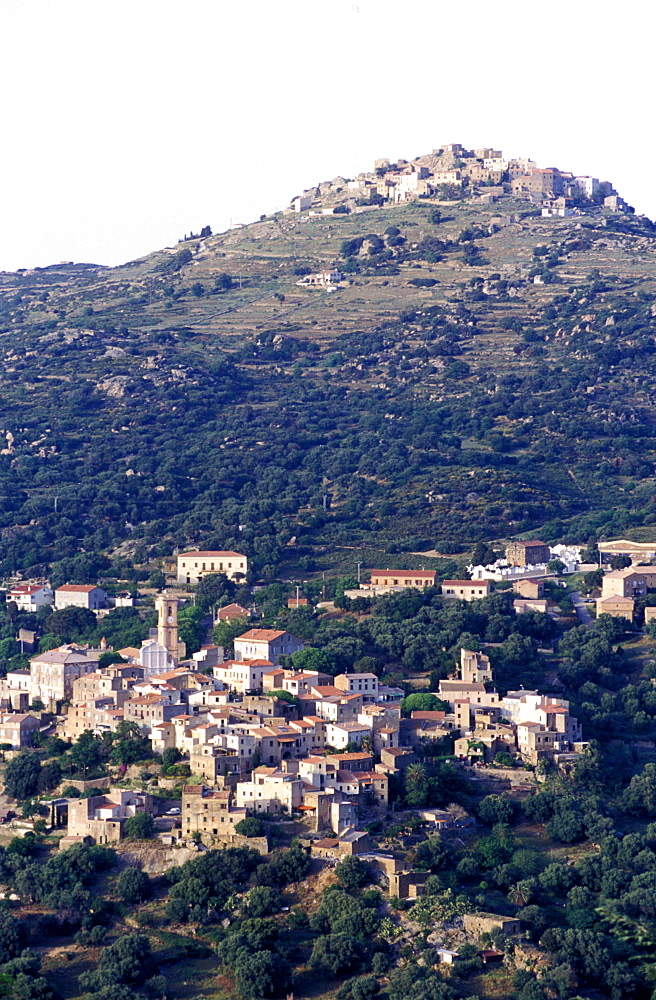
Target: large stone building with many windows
[
  {"x": 193, "y": 566},
  {"x": 54, "y": 672}
]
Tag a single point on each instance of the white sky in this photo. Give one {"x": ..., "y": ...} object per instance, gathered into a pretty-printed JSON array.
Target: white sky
[{"x": 127, "y": 123}]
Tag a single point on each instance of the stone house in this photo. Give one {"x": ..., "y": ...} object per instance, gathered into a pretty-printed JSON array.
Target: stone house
[
  {"x": 352, "y": 843},
  {"x": 53, "y": 673},
  {"x": 528, "y": 553},
  {"x": 494, "y": 739},
  {"x": 302, "y": 203},
  {"x": 523, "y": 604},
  {"x": 112, "y": 683},
  {"x": 96, "y": 715},
  {"x": 147, "y": 710},
  {"x": 407, "y": 885},
  {"x": 530, "y": 589},
  {"x": 535, "y": 741},
  {"x": 209, "y": 655},
  {"x": 212, "y": 762},
  {"x": 355, "y": 761},
  {"x": 269, "y": 707},
  {"x": 415, "y": 732},
  {"x": 296, "y": 682},
  {"x": 365, "y": 684},
  {"x": 370, "y": 785},
  {"x": 209, "y": 813},
  {"x": 483, "y": 923},
  {"x": 102, "y": 817},
  {"x": 616, "y": 606},
  {"x": 78, "y": 595},
  {"x": 395, "y": 760},
  {"x": 634, "y": 581},
  {"x": 473, "y": 692},
  {"x": 475, "y": 667},
  {"x": 335, "y": 709},
  {"x": 278, "y": 743}
]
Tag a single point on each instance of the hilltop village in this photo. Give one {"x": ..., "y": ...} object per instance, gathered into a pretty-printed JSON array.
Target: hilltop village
[
  {"x": 451, "y": 171},
  {"x": 389, "y": 726},
  {"x": 262, "y": 736}
]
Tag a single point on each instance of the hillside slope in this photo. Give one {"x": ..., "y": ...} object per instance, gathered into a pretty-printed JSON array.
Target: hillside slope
[{"x": 437, "y": 396}]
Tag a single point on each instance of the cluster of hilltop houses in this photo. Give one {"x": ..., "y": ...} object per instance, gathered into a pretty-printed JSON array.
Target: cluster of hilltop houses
[
  {"x": 327, "y": 757},
  {"x": 621, "y": 587},
  {"x": 486, "y": 172},
  {"x": 526, "y": 723},
  {"x": 263, "y": 737}
]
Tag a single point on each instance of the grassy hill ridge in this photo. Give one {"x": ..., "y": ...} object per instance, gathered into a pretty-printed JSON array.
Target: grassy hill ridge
[{"x": 469, "y": 379}]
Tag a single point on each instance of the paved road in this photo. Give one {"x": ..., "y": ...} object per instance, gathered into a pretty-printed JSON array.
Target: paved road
[{"x": 581, "y": 609}]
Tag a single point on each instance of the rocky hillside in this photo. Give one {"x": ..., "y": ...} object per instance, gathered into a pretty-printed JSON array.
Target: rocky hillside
[{"x": 479, "y": 372}]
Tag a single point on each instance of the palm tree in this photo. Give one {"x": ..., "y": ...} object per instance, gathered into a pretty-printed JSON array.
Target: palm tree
[
  {"x": 416, "y": 785},
  {"x": 520, "y": 893}
]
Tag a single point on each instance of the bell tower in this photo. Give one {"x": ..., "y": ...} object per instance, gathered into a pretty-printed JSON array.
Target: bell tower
[{"x": 167, "y": 624}]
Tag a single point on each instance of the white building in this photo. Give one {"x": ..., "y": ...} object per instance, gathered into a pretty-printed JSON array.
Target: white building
[
  {"x": 588, "y": 186},
  {"x": 270, "y": 791},
  {"x": 265, "y": 644},
  {"x": 155, "y": 658},
  {"x": 194, "y": 565},
  {"x": 340, "y": 734},
  {"x": 321, "y": 278},
  {"x": 30, "y": 596},
  {"x": 242, "y": 675}
]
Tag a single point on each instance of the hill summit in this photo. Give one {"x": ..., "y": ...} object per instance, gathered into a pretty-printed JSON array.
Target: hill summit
[
  {"x": 380, "y": 370},
  {"x": 453, "y": 171}
]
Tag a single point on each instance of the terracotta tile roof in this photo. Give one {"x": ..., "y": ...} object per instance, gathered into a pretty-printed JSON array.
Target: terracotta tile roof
[
  {"x": 262, "y": 634},
  {"x": 192, "y": 553},
  {"x": 233, "y": 611},
  {"x": 60, "y": 656},
  {"x": 345, "y": 757},
  {"x": 76, "y": 588},
  {"x": 405, "y": 573}
]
